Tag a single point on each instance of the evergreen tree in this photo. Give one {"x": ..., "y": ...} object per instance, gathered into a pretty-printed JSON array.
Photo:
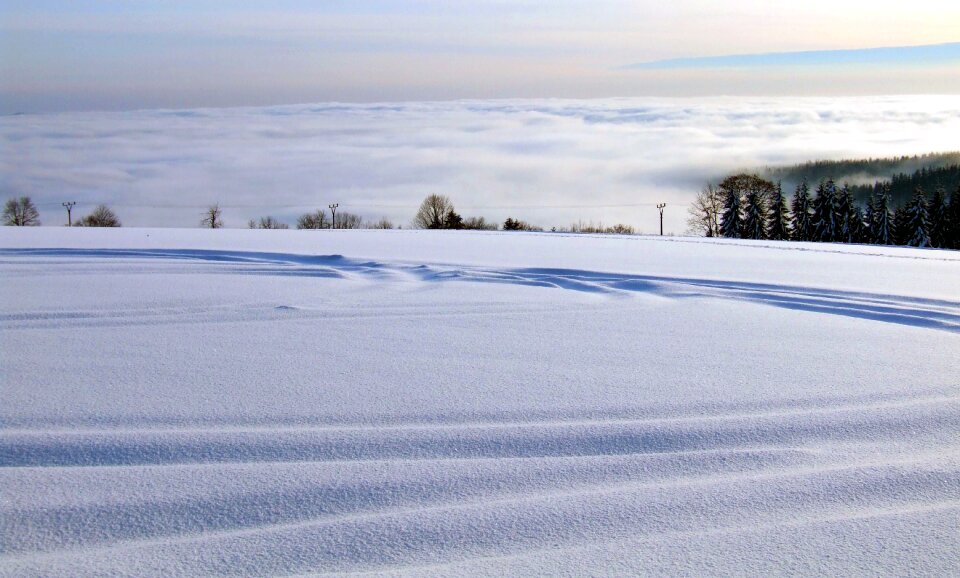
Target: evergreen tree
[
  {"x": 917, "y": 221},
  {"x": 731, "y": 220},
  {"x": 938, "y": 219},
  {"x": 825, "y": 227},
  {"x": 953, "y": 221},
  {"x": 900, "y": 225},
  {"x": 779, "y": 216},
  {"x": 881, "y": 225},
  {"x": 452, "y": 220},
  {"x": 733, "y": 190},
  {"x": 755, "y": 216},
  {"x": 858, "y": 226},
  {"x": 869, "y": 218},
  {"x": 802, "y": 222},
  {"x": 843, "y": 211}
]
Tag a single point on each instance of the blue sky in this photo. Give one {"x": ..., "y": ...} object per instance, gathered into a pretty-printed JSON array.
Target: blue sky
[
  {"x": 115, "y": 55},
  {"x": 926, "y": 55}
]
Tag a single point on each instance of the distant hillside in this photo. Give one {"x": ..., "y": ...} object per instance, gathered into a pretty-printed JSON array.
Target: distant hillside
[
  {"x": 904, "y": 174},
  {"x": 902, "y": 185}
]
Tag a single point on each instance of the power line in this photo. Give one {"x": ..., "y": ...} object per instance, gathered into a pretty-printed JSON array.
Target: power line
[{"x": 363, "y": 206}]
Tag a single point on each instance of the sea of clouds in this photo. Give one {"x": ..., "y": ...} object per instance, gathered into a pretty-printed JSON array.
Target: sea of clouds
[{"x": 550, "y": 162}]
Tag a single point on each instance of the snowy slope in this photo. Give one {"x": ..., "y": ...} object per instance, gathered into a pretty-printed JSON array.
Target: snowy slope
[{"x": 189, "y": 402}]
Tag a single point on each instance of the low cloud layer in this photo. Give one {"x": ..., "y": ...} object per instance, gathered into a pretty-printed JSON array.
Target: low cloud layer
[{"x": 548, "y": 162}]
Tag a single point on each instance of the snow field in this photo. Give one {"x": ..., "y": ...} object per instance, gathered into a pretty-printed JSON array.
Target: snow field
[{"x": 420, "y": 403}]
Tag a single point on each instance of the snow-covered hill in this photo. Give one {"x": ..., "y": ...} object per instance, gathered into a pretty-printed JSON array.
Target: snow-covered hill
[{"x": 190, "y": 402}]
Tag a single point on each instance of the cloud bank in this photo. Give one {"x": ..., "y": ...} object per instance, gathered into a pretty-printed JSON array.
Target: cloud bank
[{"x": 550, "y": 162}]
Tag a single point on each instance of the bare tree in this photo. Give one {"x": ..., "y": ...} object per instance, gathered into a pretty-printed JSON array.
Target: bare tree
[
  {"x": 704, "y": 213},
  {"x": 383, "y": 223},
  {"x": 621, "y": 229},
  {"x": 211, "y": 218},
  {"x": 347, "y": 220},
  {"x": 102, "y": 216},
  {"x": 433, "y": 212},
  {"x": 314, "y": 220},
  {"x": 479, "y": 224},
  {"x": 21, "y": 213},
  {"x": 267, "y": 223}
]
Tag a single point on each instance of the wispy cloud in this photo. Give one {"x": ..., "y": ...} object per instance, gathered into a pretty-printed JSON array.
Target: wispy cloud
[
  {"x": 936, "y": 54},
  {"x": 547, "y": 161},
  {"x": 113, "y": 55}
]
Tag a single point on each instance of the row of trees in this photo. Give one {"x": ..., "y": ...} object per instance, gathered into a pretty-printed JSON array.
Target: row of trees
[
  {"x": 435, "y": 212},
  {"x": 903, "y": 174},
  {"x": 902, "y": 185},
  {"x": 746, "y": 206},
  {"x": 213, "y": 219},
  {"x": 21, "y": 212}
]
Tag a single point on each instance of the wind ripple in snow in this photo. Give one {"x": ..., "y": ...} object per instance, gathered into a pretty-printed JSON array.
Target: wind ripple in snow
[
  {"x": 340, "y": 498},
  {"x": 862, "y": 482}
]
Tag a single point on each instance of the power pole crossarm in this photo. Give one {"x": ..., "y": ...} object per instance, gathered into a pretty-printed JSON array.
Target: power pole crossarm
[
  {"x": 69, "y": 205},
  {"x": 333, "y": 215}
]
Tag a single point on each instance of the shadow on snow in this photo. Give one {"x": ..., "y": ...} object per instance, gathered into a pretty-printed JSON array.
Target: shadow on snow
[{"x": 918, "y": 312}]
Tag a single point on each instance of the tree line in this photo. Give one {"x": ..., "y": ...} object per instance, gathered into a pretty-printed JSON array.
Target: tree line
[
  {"x": 436, "y": 212},
  {"x": 928, "y": 171},
  {"x": 903, "y": 184},
  {"x": 22, "y": 212},
  {"x": 746, "y": 206}
]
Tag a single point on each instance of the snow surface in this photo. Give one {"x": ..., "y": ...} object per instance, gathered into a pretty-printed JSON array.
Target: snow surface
[{"x": 190, "y": 402}]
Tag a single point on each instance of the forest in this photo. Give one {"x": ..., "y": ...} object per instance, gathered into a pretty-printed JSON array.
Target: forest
[
  {"x": 745, "y": 206},
  {"x": 864, "y": 176}
]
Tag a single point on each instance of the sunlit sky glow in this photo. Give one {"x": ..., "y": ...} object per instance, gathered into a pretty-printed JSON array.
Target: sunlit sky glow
[{"x": 117, "y": 54}]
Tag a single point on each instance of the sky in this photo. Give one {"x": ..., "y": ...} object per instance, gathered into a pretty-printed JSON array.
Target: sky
[
  {"x": 66, "y": 55},
  {"x": 550, "y": 162},
  {"x": 552, "y": 112}
]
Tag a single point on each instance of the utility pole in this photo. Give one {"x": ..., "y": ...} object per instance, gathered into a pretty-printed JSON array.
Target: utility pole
[
  {"x": 661, "y": 206},
  {"x": 69, "y": 205},
  {"x": 333, "y": 215}
]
